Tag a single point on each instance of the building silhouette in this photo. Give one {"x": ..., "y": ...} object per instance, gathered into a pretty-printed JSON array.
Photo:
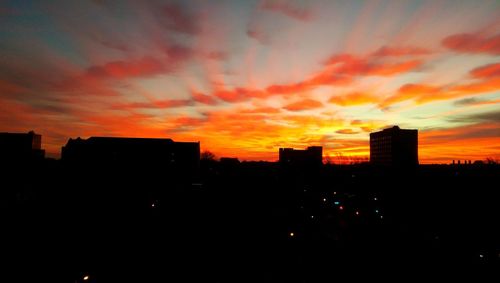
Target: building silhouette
[
  {"x": 21, "y": 147},
  {"x": 313, "y": 155},
  {"x": 394, "y": 147},
  {"x": 137, "y": 152}
]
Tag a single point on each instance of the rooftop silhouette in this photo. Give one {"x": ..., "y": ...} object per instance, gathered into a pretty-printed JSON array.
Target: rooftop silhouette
[{"x": 21, "y": 146}]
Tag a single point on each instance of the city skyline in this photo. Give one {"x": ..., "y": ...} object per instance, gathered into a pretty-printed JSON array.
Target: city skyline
[{"x": 248, "y": 77}]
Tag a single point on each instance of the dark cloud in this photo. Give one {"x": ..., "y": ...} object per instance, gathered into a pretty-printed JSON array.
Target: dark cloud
[
  {"x": 493, "y": 116},
  {"x": 292, "y": 9},
  {"x": 467, "y": 101},
  {"x": 158, "y": 104},
  {"x": 259, "y": 35},
  {"x": 346, "y": 132},
  {"x": 180, "y": 18}
]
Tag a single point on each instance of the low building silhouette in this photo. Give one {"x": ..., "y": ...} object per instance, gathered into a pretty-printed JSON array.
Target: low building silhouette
[
  {"x": 394, "y": 147},
  {"x": 21, "y": 147},
  {"x": 229, "y": 161},
  {"x": 137, "y": 152},
  {"x": 313, "y": 155}
]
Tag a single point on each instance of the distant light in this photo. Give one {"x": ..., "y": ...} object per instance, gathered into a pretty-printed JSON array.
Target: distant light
[
  {"x": 324, "y": 200},
  {"x": 334, "y": 193},
  {"x": 153, "y": 205},
  {"x": 376, "y": 210},
  {"x": 481, "y": 256},
  {"x": 312, "y": 216},
  {"x": 375, "y": 199},
  {"x": 336, "y": 203},
  {"x": 381, "y": 217},
  {"x": 341, "y": 207},
  {"x": 86, "y": 277},
  {"x": 292, "y": 234},
  {"x": 357, "y": 212}
]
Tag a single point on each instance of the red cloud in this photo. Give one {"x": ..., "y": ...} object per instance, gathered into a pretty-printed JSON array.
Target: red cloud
[
  {"x": 287, "y": 8},
  {"x": 346, "y": 64},
  {"x": 365, "y": 67},
  {"x": 305, "y": 104},
  {"x": 238, "y": 94},
  {"x": 488, "y": 71},
  {"x": 144, "y": 67},
  {"x": 288, "y": 89},
  {"x": 340, "y": 70},
  {"x": 354, "y": 98},
  {"x": 386, "y": 51},
  {"x": 7, "y": 88},
  {"x": 189, "y": 121},
  {"x": 203, "y": 98},
  {"x": 471, "y": 43}
]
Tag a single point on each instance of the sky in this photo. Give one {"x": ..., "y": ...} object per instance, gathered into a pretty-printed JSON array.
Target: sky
[{"x": 248, "y": 77}]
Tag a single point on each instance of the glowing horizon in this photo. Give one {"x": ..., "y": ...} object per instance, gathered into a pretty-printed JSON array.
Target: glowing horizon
[{"x": 248, "y": 77}]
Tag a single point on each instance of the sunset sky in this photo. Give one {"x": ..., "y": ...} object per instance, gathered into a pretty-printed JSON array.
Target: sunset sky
[{"x": 247, "y": 77}]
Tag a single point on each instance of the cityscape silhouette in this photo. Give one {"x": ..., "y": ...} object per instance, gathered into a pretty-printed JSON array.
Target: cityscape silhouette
[
  {"x": 283, "y": 141},
  {"x": 162, "y": 204}
]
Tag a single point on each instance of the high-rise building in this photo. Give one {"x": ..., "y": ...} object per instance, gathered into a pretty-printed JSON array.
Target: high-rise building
[{"x": 394, "y": 147}]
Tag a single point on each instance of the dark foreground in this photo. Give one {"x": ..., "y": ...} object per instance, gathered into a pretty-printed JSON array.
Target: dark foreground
[{"x": 250, "y": 222}]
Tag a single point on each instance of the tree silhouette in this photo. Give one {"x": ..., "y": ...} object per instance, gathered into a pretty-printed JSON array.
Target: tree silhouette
[{"x": 207, "y": 156}]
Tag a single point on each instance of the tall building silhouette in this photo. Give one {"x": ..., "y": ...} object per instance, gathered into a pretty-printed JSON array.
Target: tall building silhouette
[
  {"x": 140, "y": 152},
  {"x": 313, "y": 155},
  {"x": 394, "y": 147},
  {"x": 21, "y": 146}
]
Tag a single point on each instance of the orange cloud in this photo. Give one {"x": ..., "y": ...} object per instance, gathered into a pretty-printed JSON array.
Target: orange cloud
[
  {"x": 476, "y": 87},
  {"x": 418, "y": 92},
  {"x": 472, "y": 43},
  {"x": 354, "y": 98},
  {"x": 346, "y": 132},
  {"x": 261, "y": 110},
  {"x": 306, "y": 104},
  {"x": 466, "y": 143}
]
